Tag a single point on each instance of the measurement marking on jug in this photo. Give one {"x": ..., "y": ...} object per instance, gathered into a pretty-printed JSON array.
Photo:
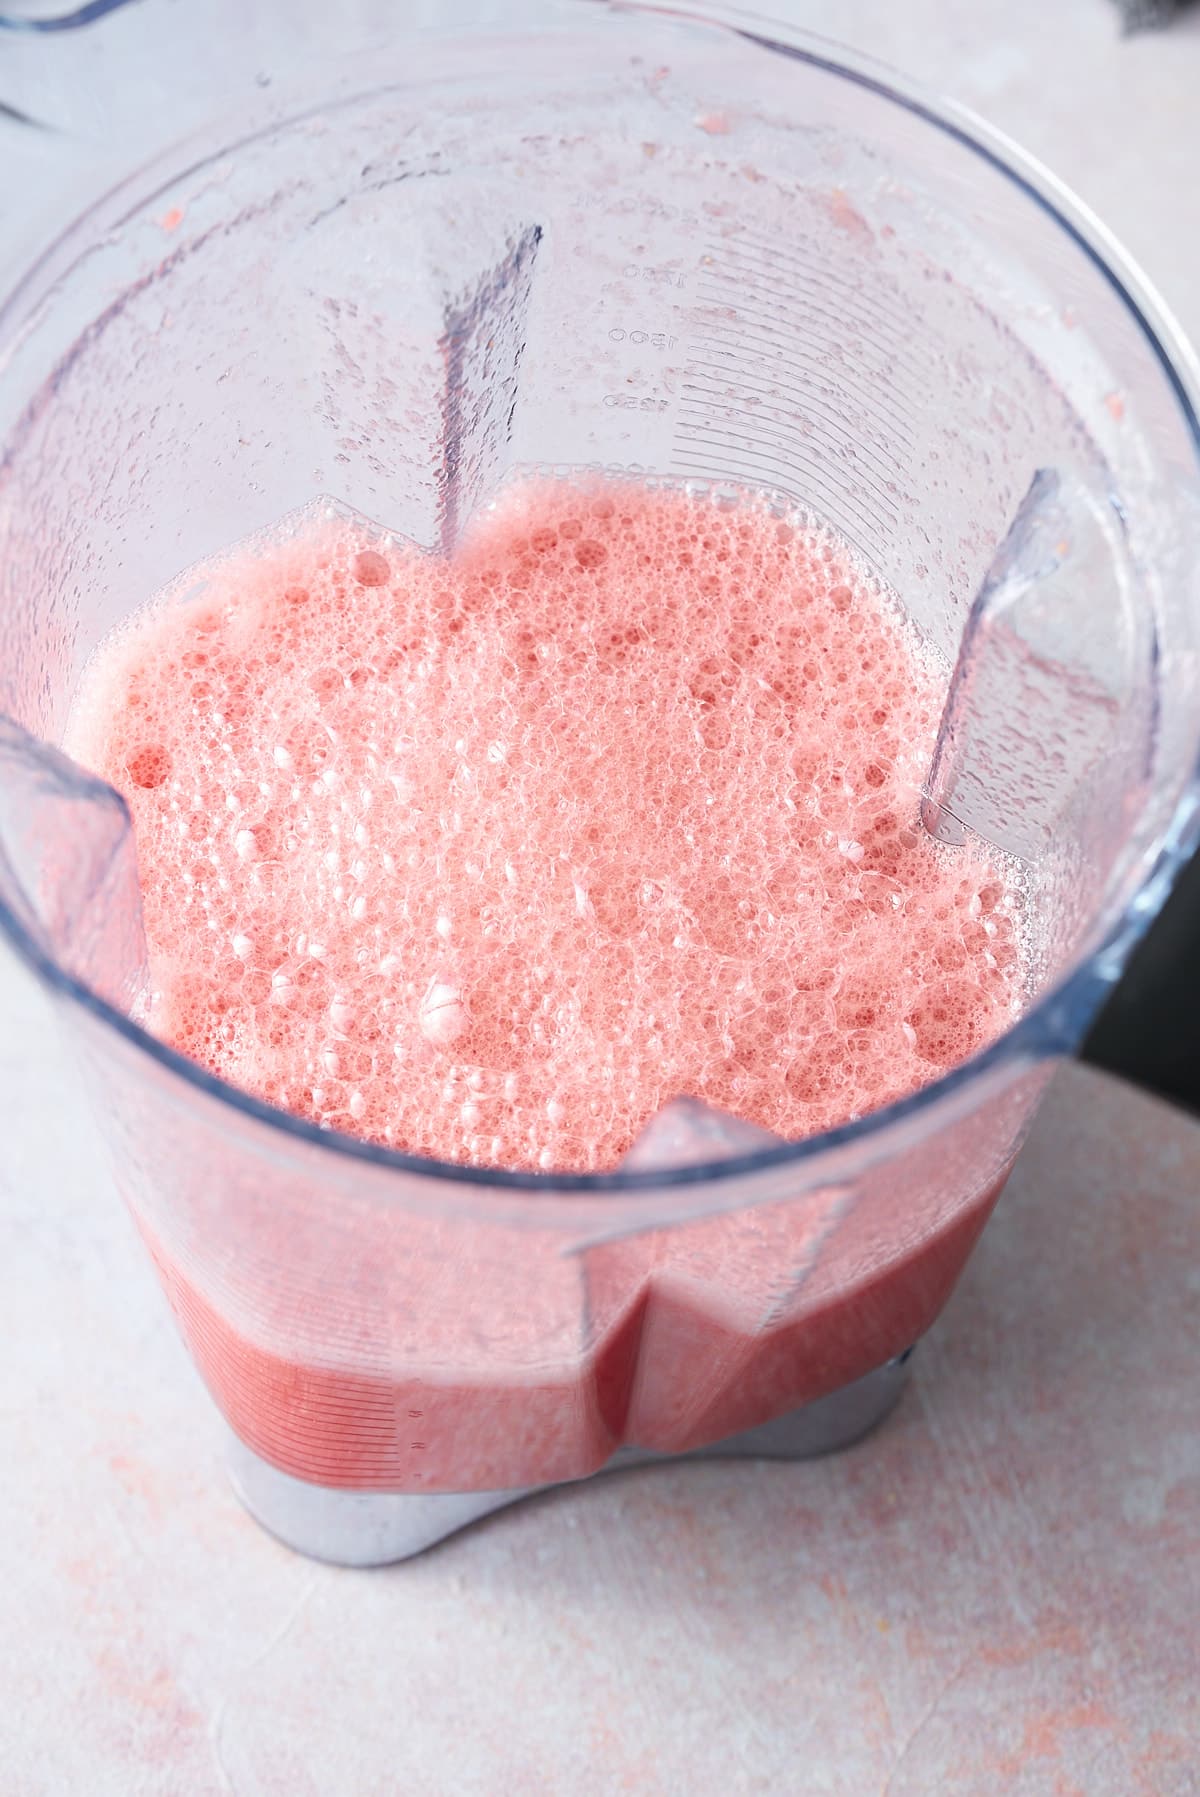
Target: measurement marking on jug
[
  {"x": 789, "y": 286},
  {"x": 798, "y": 478},
  {"x": 636, "y": 402},
  {"x": 763, "y": 352},
  {"x": 772, "y": 392},
  {"x": 766, "y": 311},
  {"x": 762, "y": 402},
  {"x": 805, "y": 477},
  {"x": 717, "y": 420},
  {"x": 665, "y": 277},
  {"x": 718, "y": 456},
  {"x": 737, "y": 343},
  {"x": 796, "y": 436},
  {"x": 738, "y": 328},
  {"x": 778, "y": 260},
  {"x": 768, "y": 263},
  {"x": 860, "y": 338},
  {"x": 655, "y": 339},
  {"x": 571, "y": 470}
]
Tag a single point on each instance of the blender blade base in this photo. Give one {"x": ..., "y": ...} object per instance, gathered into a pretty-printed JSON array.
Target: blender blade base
[{"x": 376, "y": 1528}]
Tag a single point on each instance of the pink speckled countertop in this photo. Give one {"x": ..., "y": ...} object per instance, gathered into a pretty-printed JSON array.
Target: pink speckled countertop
[{"x": 999, "y": 1592}]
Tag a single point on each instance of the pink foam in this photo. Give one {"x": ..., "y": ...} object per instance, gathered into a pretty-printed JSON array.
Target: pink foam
[{"x": 489, "y": 860}]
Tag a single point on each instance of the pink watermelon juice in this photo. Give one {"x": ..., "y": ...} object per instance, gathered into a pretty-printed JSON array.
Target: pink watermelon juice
[{"x": 490, "y": 858}]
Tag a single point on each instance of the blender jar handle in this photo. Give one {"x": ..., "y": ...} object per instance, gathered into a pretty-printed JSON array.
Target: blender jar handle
[{"x": 1148, "y": 1031}]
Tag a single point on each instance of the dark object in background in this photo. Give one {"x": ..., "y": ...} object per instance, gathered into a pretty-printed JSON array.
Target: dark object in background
[
  {"x": 1146, "y": 1032},
  {"x": 1145, "y": 15}
]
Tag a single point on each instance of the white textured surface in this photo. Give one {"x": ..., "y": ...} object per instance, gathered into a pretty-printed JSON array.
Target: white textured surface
[{"x": 997, "y": 1593}]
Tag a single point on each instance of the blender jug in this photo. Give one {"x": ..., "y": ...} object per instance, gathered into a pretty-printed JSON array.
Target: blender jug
[{"x": 666, "y": 248}]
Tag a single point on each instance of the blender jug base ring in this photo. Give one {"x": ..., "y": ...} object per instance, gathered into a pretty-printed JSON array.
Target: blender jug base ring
[{"x": 377, "y": 1528}]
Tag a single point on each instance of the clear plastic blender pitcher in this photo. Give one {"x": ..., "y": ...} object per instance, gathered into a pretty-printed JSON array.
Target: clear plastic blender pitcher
[{"x": 667, "y": 248}]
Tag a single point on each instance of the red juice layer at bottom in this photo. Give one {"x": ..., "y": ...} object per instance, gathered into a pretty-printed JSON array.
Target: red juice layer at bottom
[
  {"x": 672, "y": 1374},
  {"x": 489, "y": 858}
]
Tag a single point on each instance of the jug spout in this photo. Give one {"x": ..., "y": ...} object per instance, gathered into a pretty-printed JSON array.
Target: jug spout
[{"x": 68, "y": 871}]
